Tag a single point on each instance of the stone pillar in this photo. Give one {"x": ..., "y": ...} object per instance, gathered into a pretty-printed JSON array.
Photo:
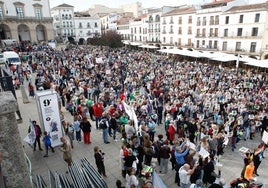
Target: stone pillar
[
  {"x": 33, "y": 34},
  {"x": 13, "y": 165},
  {"x": 25, "y": 98}
]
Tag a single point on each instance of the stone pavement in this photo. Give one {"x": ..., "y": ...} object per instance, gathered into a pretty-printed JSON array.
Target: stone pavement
[{"x": 232, "y": 161}]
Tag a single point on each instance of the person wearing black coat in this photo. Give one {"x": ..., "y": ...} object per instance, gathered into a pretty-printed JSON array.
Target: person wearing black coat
[
  {"x": 99, "y": 160},
  {"x": 86, "y": 128},
  {"x": 208, "y": 171}
]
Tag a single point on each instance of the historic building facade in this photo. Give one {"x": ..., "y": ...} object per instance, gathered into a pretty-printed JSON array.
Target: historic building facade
[{"x": 25, "y": 20}]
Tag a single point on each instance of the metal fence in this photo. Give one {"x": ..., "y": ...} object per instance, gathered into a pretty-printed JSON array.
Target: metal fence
[{"x": 80, "y": 175}]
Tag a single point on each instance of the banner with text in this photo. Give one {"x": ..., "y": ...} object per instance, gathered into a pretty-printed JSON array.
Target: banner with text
[{"x": 50, "y": 115}]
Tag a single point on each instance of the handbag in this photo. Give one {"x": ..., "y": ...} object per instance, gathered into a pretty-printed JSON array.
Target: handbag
[{"x": 213, "y": 174}]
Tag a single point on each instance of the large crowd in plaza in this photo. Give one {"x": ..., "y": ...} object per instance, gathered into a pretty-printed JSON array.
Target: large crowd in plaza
[{"x": 202, "y": 107}]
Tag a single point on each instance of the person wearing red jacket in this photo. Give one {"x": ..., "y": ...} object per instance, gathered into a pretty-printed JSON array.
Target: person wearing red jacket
[{"x": 97, "y": 111}]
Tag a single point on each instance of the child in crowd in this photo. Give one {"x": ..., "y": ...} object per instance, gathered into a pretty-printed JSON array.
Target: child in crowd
[{"x": 47, "y": 143}]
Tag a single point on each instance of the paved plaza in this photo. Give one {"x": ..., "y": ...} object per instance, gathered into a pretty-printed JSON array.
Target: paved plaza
[{"x": 232, "y": 161}]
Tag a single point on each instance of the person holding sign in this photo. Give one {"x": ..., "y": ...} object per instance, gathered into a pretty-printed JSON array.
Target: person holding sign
[{"x": 38, "y": 134}]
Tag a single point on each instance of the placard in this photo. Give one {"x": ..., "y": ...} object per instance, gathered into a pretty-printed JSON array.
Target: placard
[
  {"x": 203, "y": 152},
  {"x": 265, "y": 137}
]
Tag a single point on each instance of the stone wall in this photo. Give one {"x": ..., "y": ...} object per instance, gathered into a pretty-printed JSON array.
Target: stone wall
[{"x": 14, "y": 167}]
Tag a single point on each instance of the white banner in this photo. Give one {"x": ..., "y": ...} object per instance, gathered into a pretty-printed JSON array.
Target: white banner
[
  {"x": 132, "y": 115},
  {"x": 30, "y": 138},
  {"x": 265, "y": 137},
  {"x": 50, "y": 114}
]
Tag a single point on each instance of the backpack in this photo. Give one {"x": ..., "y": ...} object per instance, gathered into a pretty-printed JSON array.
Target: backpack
[{"x": 102, "y": 124}]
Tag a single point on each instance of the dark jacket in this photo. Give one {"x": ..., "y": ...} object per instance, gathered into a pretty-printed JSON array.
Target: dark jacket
[{"x": 85, "y": 126}]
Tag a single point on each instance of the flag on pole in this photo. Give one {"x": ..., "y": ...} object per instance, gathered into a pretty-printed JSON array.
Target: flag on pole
[{"x": 30, "y": 138}]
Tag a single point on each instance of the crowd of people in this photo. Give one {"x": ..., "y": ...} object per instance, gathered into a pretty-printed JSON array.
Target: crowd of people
[{"x": 131, "y": 93}]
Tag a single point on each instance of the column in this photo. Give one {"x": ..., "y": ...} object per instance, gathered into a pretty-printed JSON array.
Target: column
[{"x": 14, "y": 167}]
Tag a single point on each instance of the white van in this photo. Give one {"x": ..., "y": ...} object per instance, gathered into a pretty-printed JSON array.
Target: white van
[
  {"x": 2, "y": 59},
  {"x": 12, "y": 57}
]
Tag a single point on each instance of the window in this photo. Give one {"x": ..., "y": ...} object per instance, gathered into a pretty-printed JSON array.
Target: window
[
  {"x": 38, "y": 13},
  {"x": 164, "y": 39},
  {"x": 80, "y": 25},
  {"x": 204, "y": 21},
  {"x": 203, "y": 42},
  {"x": 190, "y": 30},
  {"x": 180, "y": 20},
  {"x": 217, "y": 20},
  {"x": 227, "y": 20},
  {"x": 96, "y": 25},
  {"x": 198, "y": 21},
  {"x": 179, "y": 30},
  {"x": 215, "y": 44},
  {"x": 189, "y": 42},
  {"x": 157, "y": 18},
  {"x": 88, "y": 25},
  {"x": 211, "y": 22},
  {"x": 190, "y": 20},
  {"x": 171, "y": 20},
  {"x": 239, "y": 32},
  {"x": 211, "y": 32},
  {"x": 171, "y": 40},
  {"x": 216, "y": 32},
  {"x": 197, "y": 44},
  {"x": 210, "y": 44},
  {"x": 241, "y": 17},
  {"x": 224, "y": 46},
  {"x": 257, "y": 17},
  {"x": 253, "y": 47},
  {"x": 179, "y": 41},
  {"x": 171, "y": 29},
  {"x": 19, "y": 11},
  {"x": 164, "y": 20},
  {"x": 203, "y": 32},
  {"x": 225, "y": 34},
  {"x": 254, "y": 31},
  {"x": 198, "y": 32},
  {"x": 238, "y": 46}
]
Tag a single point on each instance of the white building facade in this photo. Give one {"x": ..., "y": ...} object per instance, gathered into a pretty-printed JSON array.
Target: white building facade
[
  {"x": 244, "y": 30},
  {"x": 63, "y": 21},
  {"x": 26, "y": 20},
  {"x": 177, "y": 27},
  {"x": 86, "y": 27},
  {"x": 139, "y": 29},
  {"x": 109, "y": 22}
]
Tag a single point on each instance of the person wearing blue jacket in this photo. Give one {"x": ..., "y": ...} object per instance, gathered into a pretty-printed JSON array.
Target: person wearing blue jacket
[
  {"x": 180, "y": 152},
  {"x": 47, "y": 143}
]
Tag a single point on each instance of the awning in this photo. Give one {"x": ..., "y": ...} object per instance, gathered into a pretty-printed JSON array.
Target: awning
[
  {"x": 135, "y": 44},
  {"x": 126, "y": 42},
  {"x": 148, "y": 46},
  {"x": 259, "y": 63}
]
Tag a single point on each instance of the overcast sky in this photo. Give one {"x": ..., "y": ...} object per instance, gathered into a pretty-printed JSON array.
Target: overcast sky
[{"x": 80, "y": 5}]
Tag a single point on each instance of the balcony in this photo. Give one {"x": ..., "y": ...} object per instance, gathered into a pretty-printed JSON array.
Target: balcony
[
  {"x": 171, "y": 22},
  {"x": 164, "y": 22},
  {"x": 25, "y": 19},
  {"x": 171, "y": 32}
]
